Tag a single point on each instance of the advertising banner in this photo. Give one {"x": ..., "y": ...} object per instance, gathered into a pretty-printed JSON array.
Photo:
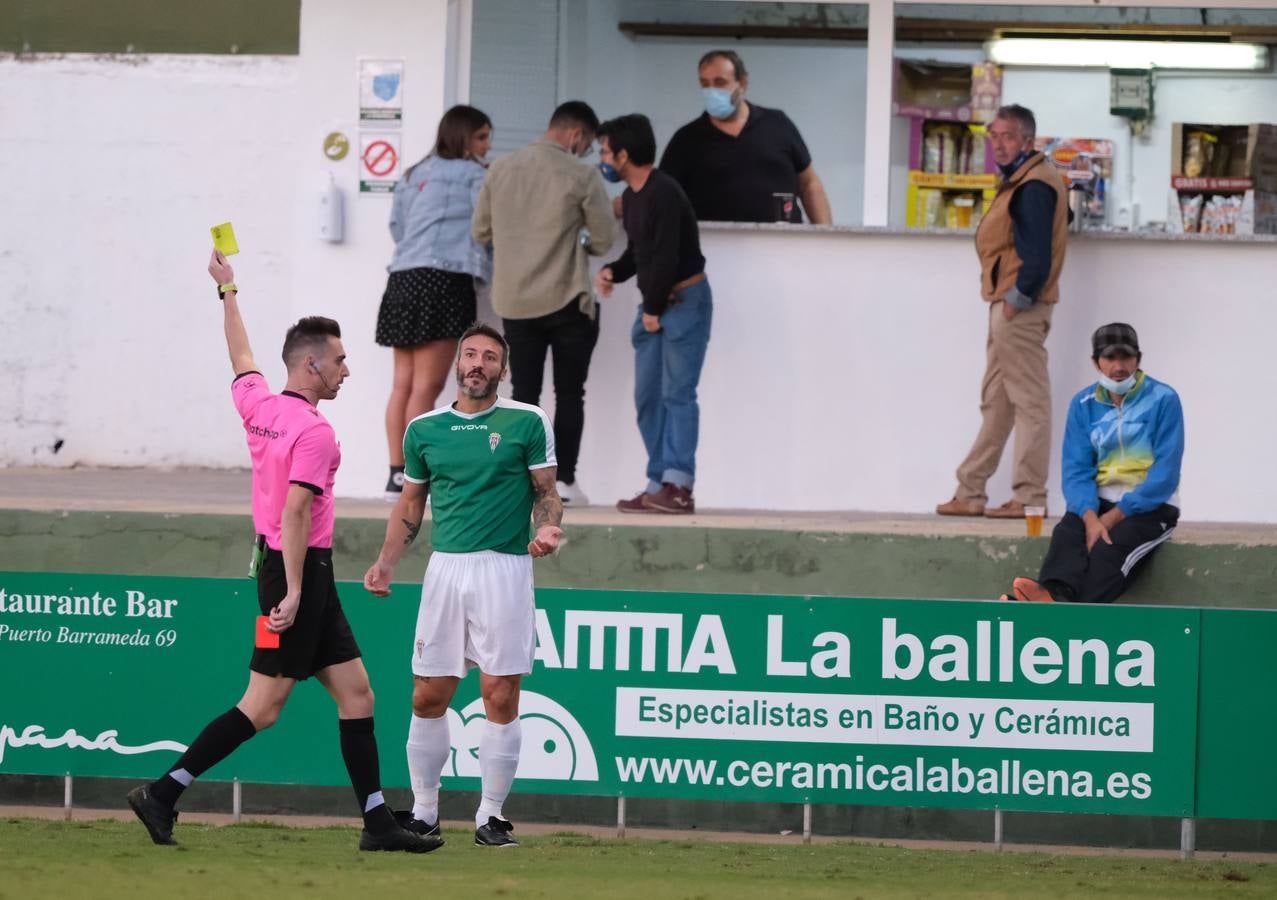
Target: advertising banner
[{"x": 949, "y": 704}]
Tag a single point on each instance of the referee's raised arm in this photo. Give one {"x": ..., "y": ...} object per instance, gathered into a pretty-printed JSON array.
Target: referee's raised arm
[{"x": 236, "y": 335}]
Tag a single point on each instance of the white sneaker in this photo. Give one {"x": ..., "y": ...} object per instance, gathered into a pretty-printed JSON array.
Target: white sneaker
[{"x": 572, "y": 495}]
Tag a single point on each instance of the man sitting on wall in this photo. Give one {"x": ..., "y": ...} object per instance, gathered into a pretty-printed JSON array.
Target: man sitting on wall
[{"x": 1123, "y": 445}]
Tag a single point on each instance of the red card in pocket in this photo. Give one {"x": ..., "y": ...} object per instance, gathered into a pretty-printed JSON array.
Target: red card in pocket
[{"x": 266, "y": 639}]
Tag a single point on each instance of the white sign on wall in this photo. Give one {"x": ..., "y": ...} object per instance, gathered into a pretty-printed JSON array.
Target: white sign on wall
[{"x": 381, "y": 91}]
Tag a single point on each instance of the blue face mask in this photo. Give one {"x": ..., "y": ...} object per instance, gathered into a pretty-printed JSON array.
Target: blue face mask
[
  {"x": 609, "y": 172},
  {"x": 1120, "y": 388},
  {"x": 718, "y": 103}
]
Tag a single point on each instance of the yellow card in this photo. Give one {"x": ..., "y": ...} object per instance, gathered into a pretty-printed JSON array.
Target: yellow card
[{"x": 224, "y": 239}]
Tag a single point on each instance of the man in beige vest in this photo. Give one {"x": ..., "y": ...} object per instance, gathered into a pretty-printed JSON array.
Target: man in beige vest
[{"x": 1021, "y": 244}]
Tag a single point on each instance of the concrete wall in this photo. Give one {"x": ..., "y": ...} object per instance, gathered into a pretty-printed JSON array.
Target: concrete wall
[
  {"x": 114, "y": 169},
  {"x": 650, "y": 556}
]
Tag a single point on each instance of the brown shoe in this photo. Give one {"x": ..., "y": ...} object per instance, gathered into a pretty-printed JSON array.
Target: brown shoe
[
  {"x": 1012, "y": 509},
  {"x": 636, "y": 505},
  {"x": 1029, "y": 591},
  {"x": 671, "y": 499},
  {"x": 956, "y": 507}
]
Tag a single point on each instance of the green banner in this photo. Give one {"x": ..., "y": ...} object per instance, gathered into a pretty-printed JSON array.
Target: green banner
[
  {"x": 820, "y": 699},
  {"x": 1237, "y": 730}
]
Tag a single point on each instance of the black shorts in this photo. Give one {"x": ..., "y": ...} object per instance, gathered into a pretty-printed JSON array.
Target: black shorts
[{"x": 320, "y": 636}]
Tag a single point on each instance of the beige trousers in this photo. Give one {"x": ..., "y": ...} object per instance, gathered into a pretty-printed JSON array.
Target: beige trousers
[{"x": 1016, "y": 393}]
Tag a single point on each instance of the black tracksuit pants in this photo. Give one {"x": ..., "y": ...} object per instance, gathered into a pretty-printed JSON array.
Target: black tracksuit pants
[{"x": 1070, "y": 573}]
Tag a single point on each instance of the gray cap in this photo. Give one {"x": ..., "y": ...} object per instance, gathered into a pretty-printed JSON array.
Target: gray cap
[{"x": 1113, "y": 338}]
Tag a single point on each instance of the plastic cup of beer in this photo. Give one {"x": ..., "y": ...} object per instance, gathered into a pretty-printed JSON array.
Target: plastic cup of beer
[
  {"x": 1033, "y": 516},
  {"x": 964, "y": 207}
]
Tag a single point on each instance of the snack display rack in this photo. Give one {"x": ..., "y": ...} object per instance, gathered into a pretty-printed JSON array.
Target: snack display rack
[
  {"x": 1223, "y": 179},
  {"x": 1087, "y": 167},
  {"x": 952, "y": 176}
]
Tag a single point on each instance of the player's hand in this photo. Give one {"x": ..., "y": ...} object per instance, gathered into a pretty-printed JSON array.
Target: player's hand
[
  {"x": 1009, "y": 312},
  {"x": 283, "y": 615},
  {"x": 603, "y": 282},
  {"x": 651, "y": 323},
  {"x": 1095, "y": 530},
  {"x": 617, "y": 206},
  {"x": 377, "y": 579},
  {"x": 220, "y": 269},
  {"x": 546, "y": 541}
]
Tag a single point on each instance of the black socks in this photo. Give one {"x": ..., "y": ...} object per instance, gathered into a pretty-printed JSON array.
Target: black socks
[
  {"x": 218, "y": 740},
  {"x": 359, "y": 750}
]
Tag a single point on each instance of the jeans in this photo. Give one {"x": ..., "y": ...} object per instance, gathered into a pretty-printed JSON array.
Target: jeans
[
  {"x": 571, "y": 336},
  {"x": 667, "y": 368}
]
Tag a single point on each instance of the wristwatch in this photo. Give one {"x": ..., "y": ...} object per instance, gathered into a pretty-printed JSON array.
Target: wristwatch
[{"x": 224, "y": 289}]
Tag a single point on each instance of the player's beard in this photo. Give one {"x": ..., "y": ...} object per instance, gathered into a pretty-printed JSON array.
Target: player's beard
[{"x": 489, "y": 385}]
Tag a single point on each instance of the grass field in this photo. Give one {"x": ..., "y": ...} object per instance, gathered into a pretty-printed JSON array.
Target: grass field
[{"x": 115, "y": 859}]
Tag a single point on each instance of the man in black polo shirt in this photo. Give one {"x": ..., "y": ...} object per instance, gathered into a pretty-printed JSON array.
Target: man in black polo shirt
[
  {"x": 671, "y": 330},
  {"x": 734, "y": 159}
]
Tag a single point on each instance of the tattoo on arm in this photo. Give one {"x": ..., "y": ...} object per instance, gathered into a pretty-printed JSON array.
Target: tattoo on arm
[
  {"x": 548, "y": 508},
  {"x": 412, "y": 531}
]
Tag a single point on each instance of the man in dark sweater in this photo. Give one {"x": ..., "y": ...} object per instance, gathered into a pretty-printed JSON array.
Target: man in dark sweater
[{"x": 671, "y": 330}]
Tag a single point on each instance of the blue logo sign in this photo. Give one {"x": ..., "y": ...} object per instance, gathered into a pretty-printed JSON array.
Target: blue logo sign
[{"x": 385, "y": 86}]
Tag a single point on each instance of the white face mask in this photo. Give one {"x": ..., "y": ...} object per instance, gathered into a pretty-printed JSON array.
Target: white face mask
[{"x": 1120, "y": 388}]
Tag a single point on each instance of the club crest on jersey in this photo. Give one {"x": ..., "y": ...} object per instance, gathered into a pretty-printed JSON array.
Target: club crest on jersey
[
  {"x": 493, "y": 440},
  {"x": 421, "y": 645}
]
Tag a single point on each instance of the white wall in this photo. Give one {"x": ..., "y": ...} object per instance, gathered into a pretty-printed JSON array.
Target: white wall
[
  {"x": 346, "y": 280},
  {"x": 844, "y": 370},
  {"x": 113, "y": 171}
]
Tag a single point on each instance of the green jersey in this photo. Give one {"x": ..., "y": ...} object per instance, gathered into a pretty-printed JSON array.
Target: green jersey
[{"x": 477, "y": 466}]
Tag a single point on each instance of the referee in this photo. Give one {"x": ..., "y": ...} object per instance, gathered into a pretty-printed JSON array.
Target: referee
[
  {"x": 488, "y": 464},
  {"x": 302, "y": 631}
]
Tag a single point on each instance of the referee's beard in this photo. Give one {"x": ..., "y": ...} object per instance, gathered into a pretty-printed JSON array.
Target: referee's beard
[{"x": 479, "y": 391}]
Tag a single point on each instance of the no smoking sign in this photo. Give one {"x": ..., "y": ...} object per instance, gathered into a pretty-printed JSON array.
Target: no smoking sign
[{"x": 379, "y": 162}]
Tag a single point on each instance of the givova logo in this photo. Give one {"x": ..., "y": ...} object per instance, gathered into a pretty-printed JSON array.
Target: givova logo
[{"x": 555, "y": 746}]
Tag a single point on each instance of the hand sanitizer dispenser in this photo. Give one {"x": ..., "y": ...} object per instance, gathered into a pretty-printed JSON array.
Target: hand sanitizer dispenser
[{"x": 331, "y": 212}]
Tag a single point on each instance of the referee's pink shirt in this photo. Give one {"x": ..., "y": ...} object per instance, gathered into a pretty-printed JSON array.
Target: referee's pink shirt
[{"x": 290, "y": 443}]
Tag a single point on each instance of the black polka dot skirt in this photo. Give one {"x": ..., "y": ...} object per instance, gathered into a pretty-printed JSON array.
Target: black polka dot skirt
[{"x": 423, "y": 305}]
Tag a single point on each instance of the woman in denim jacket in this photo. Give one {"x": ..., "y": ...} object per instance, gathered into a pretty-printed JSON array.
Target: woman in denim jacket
[{"x": 430, "y": 295}]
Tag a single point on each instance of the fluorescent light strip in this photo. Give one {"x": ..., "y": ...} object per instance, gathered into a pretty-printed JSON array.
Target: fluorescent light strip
[{"x": 1118, "y": 54}]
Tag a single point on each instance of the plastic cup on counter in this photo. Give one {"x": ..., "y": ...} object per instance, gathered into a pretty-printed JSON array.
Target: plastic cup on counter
[
  {"x": 964, "y": 206},
  {"x": 783, "y": 206},
  {"x": 1033, "y": 516}
]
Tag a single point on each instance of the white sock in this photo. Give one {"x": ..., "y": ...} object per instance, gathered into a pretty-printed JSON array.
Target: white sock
[
  {"x": 429, "y": 747},
  {"x": 498, "y": 760}
]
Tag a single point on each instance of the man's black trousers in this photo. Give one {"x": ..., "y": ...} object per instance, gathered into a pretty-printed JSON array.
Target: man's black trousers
[
  {"x": 570, "y": 336},
  {"x": 1070, "y": 573}
]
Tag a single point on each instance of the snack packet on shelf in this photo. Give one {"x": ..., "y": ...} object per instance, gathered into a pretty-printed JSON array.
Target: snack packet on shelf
[
  {"x": 1191, "y": 212},
  {"x": 1198, "y": 150},
  {"x": 931, "y": 142}
]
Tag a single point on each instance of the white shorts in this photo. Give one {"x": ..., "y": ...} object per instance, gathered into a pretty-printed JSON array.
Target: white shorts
[{"x": 477, "y": 610}]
